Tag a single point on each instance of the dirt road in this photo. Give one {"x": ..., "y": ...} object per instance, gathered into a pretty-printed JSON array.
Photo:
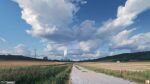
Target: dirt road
[{"x": 81, "y": 75}]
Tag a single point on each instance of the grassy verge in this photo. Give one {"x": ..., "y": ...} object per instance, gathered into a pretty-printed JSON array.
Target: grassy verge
[
  {"x": 53, "y": 74},
  {"x": 137, "y": 76}
]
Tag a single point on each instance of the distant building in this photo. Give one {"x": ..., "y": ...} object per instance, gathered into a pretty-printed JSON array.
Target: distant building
[
  {"x": 45, "y": 58},
  {"x": 117, "y": 61}
]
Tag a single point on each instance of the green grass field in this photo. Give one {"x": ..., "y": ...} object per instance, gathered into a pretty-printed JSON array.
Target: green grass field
[{"x": 42, "y": 74}]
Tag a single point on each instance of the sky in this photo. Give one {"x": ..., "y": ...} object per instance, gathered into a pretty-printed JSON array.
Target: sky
[{"x": 74, "y": 29}]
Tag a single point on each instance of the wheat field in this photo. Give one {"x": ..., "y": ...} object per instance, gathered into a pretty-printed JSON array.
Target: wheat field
[
  {"x": 128, "y": 66},
  {"x": 8, "y": 64}
]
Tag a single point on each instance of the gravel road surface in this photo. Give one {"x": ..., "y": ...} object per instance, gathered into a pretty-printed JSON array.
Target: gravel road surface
[{"x": 80, "y": 75}]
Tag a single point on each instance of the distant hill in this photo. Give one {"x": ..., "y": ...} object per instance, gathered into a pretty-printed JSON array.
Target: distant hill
[
  {"x": 20, "y": 57},
  {"x": 138, "y": 56},
  {"x": 15, "y": 57}
]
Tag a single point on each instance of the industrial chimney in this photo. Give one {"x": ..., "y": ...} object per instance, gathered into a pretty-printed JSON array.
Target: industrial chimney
[{"x": 65, "y": 52}]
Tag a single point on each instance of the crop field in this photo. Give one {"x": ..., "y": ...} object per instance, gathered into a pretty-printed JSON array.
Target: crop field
[
  {"x": 134, "y": 71},
  {"x": 129, "y": 66},
  {"x": 28, "y": 72},
  {"x": 8, "y": 64}
]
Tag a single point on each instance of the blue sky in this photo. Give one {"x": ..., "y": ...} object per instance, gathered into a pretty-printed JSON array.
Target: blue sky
[
  {"x": 12, "y": 27},
  {"x": 79, "y": 26}
]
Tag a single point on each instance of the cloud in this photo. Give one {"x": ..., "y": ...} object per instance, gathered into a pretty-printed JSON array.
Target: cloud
[
  {"x": 55, "y": 47},
  {"x": 50, "y": 19},
  {"x": 54, "y": 21},
  {"x": 89, "y": 45},
  {"x": 86, "y": 30},
  {"x": 103, "y": 35},
  {"x": 125, "y": 17},
  {"x": 75, "y": 52},
  {"x": 115, "y": 29},
  {"x": 83, "y": 2},
  {"x": 5, "y": 52},
  {"x": 102, "y": 53},
  {"x": 2, "y": 39},
  {"x": 20, "y": 49},
  {"x": 79, "y": 1},
  {"x": 138, "y": 42},
  {"x": 141, "y": 42},
  {"x": 121, "y": 39}
]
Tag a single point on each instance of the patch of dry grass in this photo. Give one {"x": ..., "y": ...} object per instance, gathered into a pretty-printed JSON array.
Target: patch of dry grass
[
  {"x": 129, "y": 66},
  {"x": 9, "y": 64}
]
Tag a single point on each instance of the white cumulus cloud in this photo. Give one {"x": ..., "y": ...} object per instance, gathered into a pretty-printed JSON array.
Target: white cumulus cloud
[
  {"x": 49, "y": 19},
  {"x": 125, "y": 17},
  {"x": 20, "y": 49},
  {"x": 52, "y": 20}
]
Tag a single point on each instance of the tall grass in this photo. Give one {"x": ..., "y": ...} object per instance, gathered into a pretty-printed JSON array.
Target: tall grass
[
  {"x": 53, "y": 74},
  {"x": 137, "y": 76}
]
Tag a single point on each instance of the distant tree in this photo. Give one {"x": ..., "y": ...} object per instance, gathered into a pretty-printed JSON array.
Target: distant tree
[{"x": 45, "y": 58}]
